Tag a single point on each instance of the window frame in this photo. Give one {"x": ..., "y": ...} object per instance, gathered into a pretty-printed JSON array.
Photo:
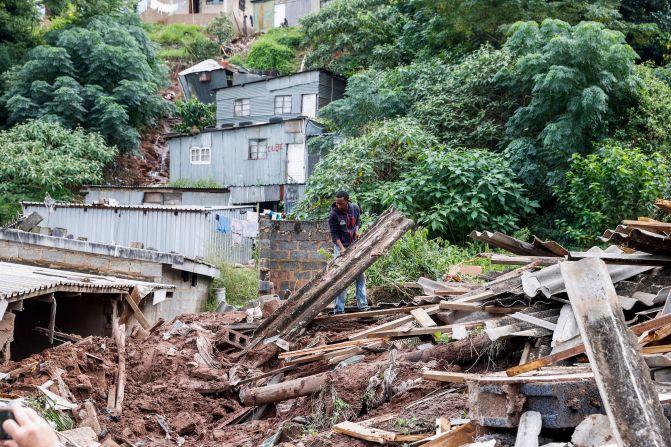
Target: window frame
[
  {"x": 254, "y": 155},
  {"x": 200, "y": 151},
  {"x": 239, "y": 107},
  {"x": 283, "y": 107}
]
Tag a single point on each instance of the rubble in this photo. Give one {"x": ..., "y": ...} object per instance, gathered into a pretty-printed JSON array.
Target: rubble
[{"x": 564, "y": 353}]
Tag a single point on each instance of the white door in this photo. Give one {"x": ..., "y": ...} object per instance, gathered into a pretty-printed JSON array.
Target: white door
[
  {"x": 280, "y": 14},
  {"x": 309, "y": 105},
  {"x": 296, "y": 163}
]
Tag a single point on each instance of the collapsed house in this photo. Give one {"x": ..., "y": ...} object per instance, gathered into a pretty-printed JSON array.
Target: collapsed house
[{"x": 563, "y": 349}]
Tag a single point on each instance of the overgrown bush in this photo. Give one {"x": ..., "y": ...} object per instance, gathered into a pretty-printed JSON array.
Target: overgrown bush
[
  {"x": 415, "y": 255},
  {"x": 454, "y": 192},
  {"x": 40, "y": 158},
  {"x": 103, "y": 76},
  {"x": 241, "y": 284},
  {"x": 221, "y": 28},
  {"x": 195, "y": 115},
  {"x": 276, "y": 50},
  {"x": 603, "y": 188}
]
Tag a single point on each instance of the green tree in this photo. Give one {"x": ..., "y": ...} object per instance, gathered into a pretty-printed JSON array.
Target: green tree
[
  {"x": 348, "y": 35},
  {"x": 277, "y": 50},
  {"x": 578, "y": 81},
  {"x": 221, "y": 28},
  {"x": 453, "y": 192},
  {"x": 602, "y": 188},
  {"x": 102, "y": 76},
  {"x": 195, "y": 115},
  {"x": 45, "y": 158}
]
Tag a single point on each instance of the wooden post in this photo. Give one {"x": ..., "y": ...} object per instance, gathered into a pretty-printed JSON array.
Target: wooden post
[
  {"x": 121, "y": 372},
  {"x": 628, "y": 394},
  {"x": 283, "y": 391}
]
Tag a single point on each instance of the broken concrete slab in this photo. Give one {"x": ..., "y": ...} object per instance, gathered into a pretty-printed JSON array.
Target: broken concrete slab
[{"x": 594, "y": 431}]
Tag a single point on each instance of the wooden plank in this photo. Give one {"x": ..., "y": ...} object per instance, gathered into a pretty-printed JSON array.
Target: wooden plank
[
  {"x": 500, "y": 259},
  {"x": 663, "y": 226},
  {"x": 366, "y": 314},
  {"x": 413, "y": 332},
  {"x": 454, "y": 305},
  {"x": 664, "y": 205},
  {"x": 365, "y": 433},
  {"x": 454, "y": 438},
  {"x": 622, "y": 258},
  {"x": 529, "y": 429},
  {"x": 446, "y": 376},
  {"x": 423, "y": 318},
  {"x": 660, "y": 349},
  {"x": 121, "y": 371},
  {"x": 322, "y": 349},
  {"x": 534, "y": 320},
  {"x": 580, "y": 349},
  {"x": 627, "y": 391},
  {"x": 132, "y": 299},
  {"x": 391, "y": 324}
]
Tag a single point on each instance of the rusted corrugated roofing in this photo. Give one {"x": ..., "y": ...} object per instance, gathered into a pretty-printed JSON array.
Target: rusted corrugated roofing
[
  {"x": 638, "y": 239},
  {"x": 19, "y": 281},
  {"x": 518, "y": 247}
]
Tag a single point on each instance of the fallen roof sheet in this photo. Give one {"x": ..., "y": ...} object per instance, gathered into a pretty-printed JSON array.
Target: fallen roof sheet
[
  {"x": 518, "y": 247},
  {"x": 638, "y": 239},
  {"x": 549, "y": 281},
  {"x": 19, "y": 281}
]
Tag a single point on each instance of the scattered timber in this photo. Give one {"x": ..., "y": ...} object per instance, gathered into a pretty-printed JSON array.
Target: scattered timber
[
  {"x": 623, "y": 378},
  {"x": 295, "y": 314},
  {"x": 283, "y": 391}
]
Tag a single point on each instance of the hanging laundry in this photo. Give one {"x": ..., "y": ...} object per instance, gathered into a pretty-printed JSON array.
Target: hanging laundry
[
  {"x": 236, "y": 226},
  {"x": 250, "y": 229},
  {"x": 223, "y": 224}
]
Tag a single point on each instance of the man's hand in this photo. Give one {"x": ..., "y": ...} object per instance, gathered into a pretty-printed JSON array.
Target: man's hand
[{"x": 29, "y": 430}]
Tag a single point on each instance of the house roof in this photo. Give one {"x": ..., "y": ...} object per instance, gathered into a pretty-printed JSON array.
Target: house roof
[
  {"x": 159, "y": 188},
  {"x": 19, "y": 281},
  {"x": 212, "y": 65},
  {"x": 238, "y": 127},
  {"x": 321, "y": 70},
  {"x": 180, "y": 208}
]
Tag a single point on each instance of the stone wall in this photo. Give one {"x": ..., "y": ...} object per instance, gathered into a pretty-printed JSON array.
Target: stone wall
[{"x": 289, "y": 251}]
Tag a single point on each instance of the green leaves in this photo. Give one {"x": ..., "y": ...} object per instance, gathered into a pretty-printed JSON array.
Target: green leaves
[
  {"x": 601, "y": 189},
  {"x": 195, "y": 115},
  {"x": 102, "y": 75},
  {"x": 45, "y": 158}
]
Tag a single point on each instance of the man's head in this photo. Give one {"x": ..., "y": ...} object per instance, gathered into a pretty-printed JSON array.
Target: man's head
[{"x": 341, "y": 201}]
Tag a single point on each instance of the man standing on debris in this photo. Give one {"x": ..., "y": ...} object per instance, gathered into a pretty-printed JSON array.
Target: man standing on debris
[{"x": 344, "y": 222}]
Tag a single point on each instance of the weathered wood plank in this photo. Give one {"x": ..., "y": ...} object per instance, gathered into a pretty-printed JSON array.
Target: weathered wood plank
[
  {"x": 423, "y": 318},
  {"x": 627, "y": 392}
]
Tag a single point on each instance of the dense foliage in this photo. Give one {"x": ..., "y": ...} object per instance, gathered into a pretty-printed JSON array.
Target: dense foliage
[
  {"x": 241, "y": 284},
  {"x": 276, "y": 51},
  {"x": 603, "y": 187},
  {"x": 102, "y": 75},
  {"x": 194, "y": 115},
  {"x": 40, "y": 158}
]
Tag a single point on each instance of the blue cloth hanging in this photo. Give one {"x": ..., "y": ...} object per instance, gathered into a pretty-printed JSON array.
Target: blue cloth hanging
[{"x": 223, "y": 224}]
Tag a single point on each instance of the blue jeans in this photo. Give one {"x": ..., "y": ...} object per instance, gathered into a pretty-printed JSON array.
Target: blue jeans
[{"x": 361, "y": 300}]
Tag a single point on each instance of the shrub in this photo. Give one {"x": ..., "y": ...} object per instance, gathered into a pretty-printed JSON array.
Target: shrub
[
  {"x": 175, "y": 33},
  {"x": 452, "y": 193},
  {"x": 603, "y": 188},
  {"x": 270, "y": 55},
  {"x": 103, "y": 76},
  {"x": 200, "y": 47},
  {"x": 221, "y": 28},
  {"x": 42, "y": 158},
  {"x": 241, "y": 284},
  {"x": 195, "y": 115}
]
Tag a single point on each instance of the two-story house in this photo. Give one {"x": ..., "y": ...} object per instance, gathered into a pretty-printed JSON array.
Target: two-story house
[{"x": 259, "y": 147}]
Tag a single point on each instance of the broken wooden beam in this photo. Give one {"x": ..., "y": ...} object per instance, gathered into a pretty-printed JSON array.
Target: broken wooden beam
[
  {"x": 391, "y": 324},
  {"x": 638, "y": 329},
  {"x": 283, "y": 391},
  {"x": 500, "y": 259},
  {"x": 299, "y": 311},
  {"x": 423, "y": 318},
  {"x": 367, "y": 314},
  {"x": 133, "y": 299},
  {"x": 627, "y": 391},
  {"x": 121, "y": 371}
]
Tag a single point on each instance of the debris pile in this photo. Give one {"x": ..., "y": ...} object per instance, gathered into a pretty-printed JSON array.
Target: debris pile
[{"x": 568, "y": 348}]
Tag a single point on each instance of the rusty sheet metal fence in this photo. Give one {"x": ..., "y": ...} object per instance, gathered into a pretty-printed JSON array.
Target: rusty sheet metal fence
[{"x": 190, "y": 231}]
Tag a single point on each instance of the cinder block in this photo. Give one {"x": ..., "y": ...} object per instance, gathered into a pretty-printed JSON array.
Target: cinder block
[{"x": 283, "y": 245}]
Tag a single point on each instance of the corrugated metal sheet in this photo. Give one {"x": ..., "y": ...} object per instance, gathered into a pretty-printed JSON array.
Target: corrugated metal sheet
[
  {"x": 261, "y": 94},
  {"x": 230, "y": 163},
  {"x": 297, "y": 9},
  {"x": 19, "y": 281},
  {"x": 549, "y": 280},
  {"x": 263, "y": 15},
  {"x": 255, "y": 194},
  {"x": 638, "y": 239},
  {"x": 518, "y": 247},
  {"x": 190, "y": 231},
  {"x": 136, "y": 196}
]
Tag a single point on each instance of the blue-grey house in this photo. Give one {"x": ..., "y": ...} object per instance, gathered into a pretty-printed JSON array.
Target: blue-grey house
[{"x": 259, "y": 147}]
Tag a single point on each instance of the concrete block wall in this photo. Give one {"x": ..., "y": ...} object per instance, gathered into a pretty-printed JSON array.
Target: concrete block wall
[
  {"x": 289, "y": 251},
  {"x": 185, "y": 299}
]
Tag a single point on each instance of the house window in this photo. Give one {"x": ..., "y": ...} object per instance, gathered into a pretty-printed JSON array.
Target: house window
[
  {"x": 258, "y": 149},
  {"x": 282, "y": 104},
  {"x": 200, "y": 155},
  {"x": 214, "y": 2},
  {"x": 241, "y": 107}
]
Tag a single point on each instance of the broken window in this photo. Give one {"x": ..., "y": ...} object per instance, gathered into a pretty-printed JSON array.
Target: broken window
[
  {"x": 200, "y": 155},
  {"x": 258, "y": 149},
  {"x": 282, "y": 104},
  {"x": 241, "y": 107},
  {"x": 153, "y": 197}
]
